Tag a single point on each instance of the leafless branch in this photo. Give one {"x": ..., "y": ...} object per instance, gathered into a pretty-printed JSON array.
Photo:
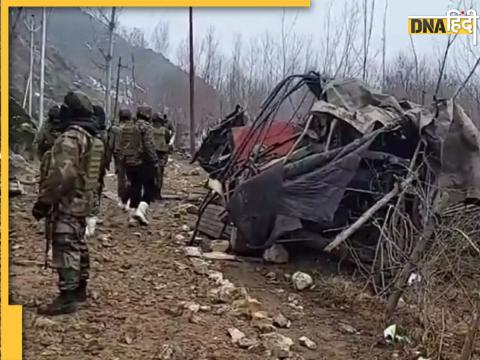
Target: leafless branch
[{"x": 443, "y": 64}]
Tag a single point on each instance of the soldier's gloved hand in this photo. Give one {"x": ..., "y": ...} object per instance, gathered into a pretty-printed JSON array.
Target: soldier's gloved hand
[
  {"x": 40, "y": 210},
  {"x": 170, "y": 148},
  {"x": 91, "y": 222}
]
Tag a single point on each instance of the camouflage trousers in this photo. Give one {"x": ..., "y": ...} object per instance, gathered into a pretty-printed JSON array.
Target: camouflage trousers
[
  {"x": 162, "y": 163},
  {"x": 70, "y": 255},
  {"x": 122, "y": 181}
]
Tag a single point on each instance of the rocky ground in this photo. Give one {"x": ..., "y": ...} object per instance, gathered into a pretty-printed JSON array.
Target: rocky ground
[{"x": 149, "y": 299}]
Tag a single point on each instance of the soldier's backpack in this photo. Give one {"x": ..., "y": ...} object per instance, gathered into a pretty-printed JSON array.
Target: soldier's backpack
[
  {"x": 94, "y": 164},
  {"x": 160, "y": 138},
  {"x": 131, "y": 144}
]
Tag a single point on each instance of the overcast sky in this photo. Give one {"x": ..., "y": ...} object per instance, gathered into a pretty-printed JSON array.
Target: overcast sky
[{"x": 253, "y": 22}]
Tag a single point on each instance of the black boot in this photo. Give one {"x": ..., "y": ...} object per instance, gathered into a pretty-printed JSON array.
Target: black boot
[
  {"x": 65, "y": 303},
  {"x": 81, "y": 291}
]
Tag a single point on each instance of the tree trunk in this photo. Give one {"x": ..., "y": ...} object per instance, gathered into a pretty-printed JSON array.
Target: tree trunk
[
  {"x": 192, "y": 85},
  {"x": 30, "y": 76},
  {"x": 42, "y": 65}
]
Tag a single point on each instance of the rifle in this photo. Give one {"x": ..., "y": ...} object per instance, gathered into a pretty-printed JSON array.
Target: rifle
[{"x": 49, "y": 229}]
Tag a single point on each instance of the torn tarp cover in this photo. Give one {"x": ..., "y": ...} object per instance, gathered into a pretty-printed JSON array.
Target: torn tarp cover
[
  {"x": 312, "y": 194},
  {"x": 453, "y": 138}
]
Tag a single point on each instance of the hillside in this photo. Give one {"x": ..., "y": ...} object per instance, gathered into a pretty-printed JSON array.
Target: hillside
[{"x": 72, "y": 58}]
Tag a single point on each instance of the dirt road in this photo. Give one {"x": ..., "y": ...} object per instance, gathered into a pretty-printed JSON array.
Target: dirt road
[{"x": 149, "y": 301}]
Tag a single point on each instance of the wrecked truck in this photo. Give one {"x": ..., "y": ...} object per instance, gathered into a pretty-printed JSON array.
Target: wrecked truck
[{"x": 356, "y": 167}]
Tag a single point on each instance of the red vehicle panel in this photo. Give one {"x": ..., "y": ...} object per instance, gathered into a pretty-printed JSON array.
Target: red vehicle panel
[{"x": 280, "y": 132}]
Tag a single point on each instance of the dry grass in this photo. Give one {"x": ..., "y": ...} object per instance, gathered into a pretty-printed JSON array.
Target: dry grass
[{"x": 440, "y": 307}]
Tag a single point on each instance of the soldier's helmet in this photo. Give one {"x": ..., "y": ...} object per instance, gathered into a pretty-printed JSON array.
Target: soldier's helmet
[
  {"x": 144, "y": 112},
  {"x": 100, "y": 116},
  {"x": 124, "y": 114},
  {"x": 78, "y": 104},
  {"x": 54, "y": 114},
  {"x": 157, "y": 117}
]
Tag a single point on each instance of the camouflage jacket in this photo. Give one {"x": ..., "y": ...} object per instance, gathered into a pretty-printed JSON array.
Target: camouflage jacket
[
  {"x": 72, "y": 179},
  {"x": 113, "y": 145},
  {"x": 170, "y": 129},
  {"x": 146, "y": 131}
]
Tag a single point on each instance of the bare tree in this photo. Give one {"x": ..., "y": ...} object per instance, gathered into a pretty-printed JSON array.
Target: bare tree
[
  {"x": 160, "y": 39},
  {"x": 42, "y": 65},
  {"x": 384, "y": 44},
  {"x": 136, "y": 37},
  {"x": 367, "y": 33},
  {"x": 346, "y": 55},
  {"x": 32, "y": 28},
  {"x": 443, "y": 64},
  {"x": 326, "y": 42},
  {"x": 256, "y": 64},
  {"x": 208, "y": 62},
  {"x": 234, "y": 83},
  {"x": 15, "y": 15},
  {"x": 291, "y": 46},
  {"x": 182, "y": 55},
  {"x": 467, "y": 79}
]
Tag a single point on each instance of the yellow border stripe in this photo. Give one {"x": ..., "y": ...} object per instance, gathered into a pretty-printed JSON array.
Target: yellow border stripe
[
  {"x": 165, "y": 3},
  {"x": 11, "y": 315}
]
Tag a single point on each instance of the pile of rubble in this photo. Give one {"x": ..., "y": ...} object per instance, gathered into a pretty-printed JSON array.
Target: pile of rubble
[{"x": 261, "y": 334}]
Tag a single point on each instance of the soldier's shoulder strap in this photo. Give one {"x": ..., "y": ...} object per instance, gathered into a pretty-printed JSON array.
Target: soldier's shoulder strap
[{"x": 81, "y": 136}]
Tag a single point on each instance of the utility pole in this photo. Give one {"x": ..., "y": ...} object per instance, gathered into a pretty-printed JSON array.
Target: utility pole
[
  {"x": 134, "y": 88},
  {"x": 108, "y": 60},
  {"x": 32, "y": 29},
  {"x": 117, "y": 87},
  {"x": 192, "y": 86},
  {"x": 42, "y": 65}
]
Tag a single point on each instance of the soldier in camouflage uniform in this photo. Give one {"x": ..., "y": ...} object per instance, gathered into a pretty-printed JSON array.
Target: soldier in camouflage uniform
[
  {"x": 66, "y": 198},
  {"x": 140, "y": 159},
  {"x": 48, "y": 132},
  {"x": 114, "y": 147},
  {"x": 100, "y": 118},
  {"x": 164, "y": 136}
]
